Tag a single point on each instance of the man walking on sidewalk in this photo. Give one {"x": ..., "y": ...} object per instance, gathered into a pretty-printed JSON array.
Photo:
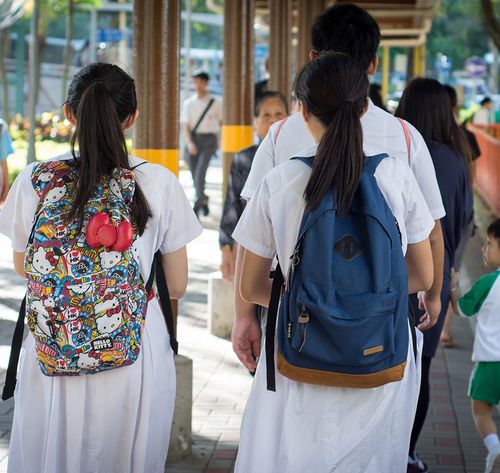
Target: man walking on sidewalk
[{"x": 201, "y": 118}]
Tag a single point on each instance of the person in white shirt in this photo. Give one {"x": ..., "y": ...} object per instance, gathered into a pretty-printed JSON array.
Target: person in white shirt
[
  {"x": 351, "y": 30},
  {"x": 304, "y": 427},
  {"x": 483, "y": 115},
  {"x": 201, "y": 118}
]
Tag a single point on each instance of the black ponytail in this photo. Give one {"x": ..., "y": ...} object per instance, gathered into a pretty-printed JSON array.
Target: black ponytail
[
  {"x": 333, "y": 88},
  {"x": 101, "y": 97}
]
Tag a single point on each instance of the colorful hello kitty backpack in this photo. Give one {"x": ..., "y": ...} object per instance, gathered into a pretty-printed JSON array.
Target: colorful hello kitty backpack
[{"x": 86, "y": 301}]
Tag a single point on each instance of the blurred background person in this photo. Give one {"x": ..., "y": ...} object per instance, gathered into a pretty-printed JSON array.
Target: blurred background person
[{"x": 270, "y": 107}]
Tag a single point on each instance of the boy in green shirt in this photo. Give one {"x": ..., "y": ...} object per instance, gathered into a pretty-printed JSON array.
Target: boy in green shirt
[{"x": 483, "y": 300}]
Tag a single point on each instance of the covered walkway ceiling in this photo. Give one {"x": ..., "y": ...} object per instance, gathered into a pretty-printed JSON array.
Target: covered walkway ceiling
[{"x": 402, "y": 22}]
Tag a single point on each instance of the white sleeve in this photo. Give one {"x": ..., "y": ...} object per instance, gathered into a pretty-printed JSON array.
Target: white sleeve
[
  {"x": 178, "y": 224},
  {"x": 423, "y": 168},
  {"x": 254, "y": 230},
  {"x": 419, "y": 221},
  {"x": 262, "y": 163},
  {"x": 18, "y": 212},
  {"x": 218, "y": 110}
]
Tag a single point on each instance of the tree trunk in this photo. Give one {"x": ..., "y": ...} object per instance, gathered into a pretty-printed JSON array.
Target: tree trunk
[
  {"x": 34, "y": 67},
  {"x": 490, "y": 21},
  {"x": 4, "y": 49},
  {"x": 67, "y": 49}
]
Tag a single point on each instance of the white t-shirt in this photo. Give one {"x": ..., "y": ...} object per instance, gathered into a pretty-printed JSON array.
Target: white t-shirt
[
  {"x": 193, "y": 107},
  {"x": 382, "y": 133}
]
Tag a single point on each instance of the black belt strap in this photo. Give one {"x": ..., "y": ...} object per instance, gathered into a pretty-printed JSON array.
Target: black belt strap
[
  {"x": 413, "y": 328},
  {"x": 166, "y": 308},
  {"x": 271, "y": 327}
]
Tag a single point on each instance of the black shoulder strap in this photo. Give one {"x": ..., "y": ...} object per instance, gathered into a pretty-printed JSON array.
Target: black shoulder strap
[
  {"x": 17, "y": 338},
  {"x": 17, "y": 341},
  {"x": 164, "y": 298},
  {"x": 272, "y": 315},
  {"x": 202, "y": 116}
]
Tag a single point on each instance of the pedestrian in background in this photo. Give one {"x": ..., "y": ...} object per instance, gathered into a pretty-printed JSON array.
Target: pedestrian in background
[
  {"x": 426, "y": 105},
  {"x": 270, "y": 107},
  {"x": 5, "y": 150},
  {"x": 201, "y": 118}
]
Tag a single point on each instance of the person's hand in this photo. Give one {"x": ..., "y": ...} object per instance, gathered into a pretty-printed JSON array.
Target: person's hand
[
  {"x": 228, "y": 262},
  {"x": 246, "y": 337},
  {"x": 432, "y": 307},
  {"x": 193, "y": 150}
]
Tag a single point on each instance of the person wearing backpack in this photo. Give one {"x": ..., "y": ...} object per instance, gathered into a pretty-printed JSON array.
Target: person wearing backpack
[
  {"x": 348, "y": 29},
  {"x": 344, "y": 393},
  {"x": 425, "y": 104},
  {"x": 96, "y": 380}
]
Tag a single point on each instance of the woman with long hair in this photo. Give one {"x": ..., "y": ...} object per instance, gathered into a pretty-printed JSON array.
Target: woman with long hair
[
  {"x": 306, "y": 427},
  {"x": 86, "y": 287},
  {"x": 425, "y": 103}
]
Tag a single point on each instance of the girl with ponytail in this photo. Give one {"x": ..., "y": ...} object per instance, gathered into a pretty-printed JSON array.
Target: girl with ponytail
[
  {"x": 305, "y": 427},
  {"x": 117, "y": 420}
]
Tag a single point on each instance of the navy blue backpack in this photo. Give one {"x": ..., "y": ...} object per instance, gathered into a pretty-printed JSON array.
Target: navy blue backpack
[{"x": 343, "y": 314}]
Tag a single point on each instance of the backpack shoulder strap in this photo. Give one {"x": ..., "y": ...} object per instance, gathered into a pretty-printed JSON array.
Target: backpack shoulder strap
[
  {"x": 372, "y": 162},
  {"x": 305, "y": 159},
  {"x": 407, "y": 136},
  {"x": 272, "y": 315}
]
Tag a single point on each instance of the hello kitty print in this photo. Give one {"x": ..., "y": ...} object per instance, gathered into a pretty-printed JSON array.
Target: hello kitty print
[{"x": 85, "y": 304}]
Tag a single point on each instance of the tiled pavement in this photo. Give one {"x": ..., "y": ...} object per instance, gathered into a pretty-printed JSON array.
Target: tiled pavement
[{"x": 448, "y": 442}]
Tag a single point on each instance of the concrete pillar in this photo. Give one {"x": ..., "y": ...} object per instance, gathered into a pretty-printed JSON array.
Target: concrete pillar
[
  {"x": 385, "y": 72},
  {"x": 156, "y": 71},
  {"x": 237, "y": 130},
  {"x": 308, "y": 11},
  {"x": 220, "y": 306},
  {"x": 280, "y": 46},
  {"x": 181, "y": 434}
]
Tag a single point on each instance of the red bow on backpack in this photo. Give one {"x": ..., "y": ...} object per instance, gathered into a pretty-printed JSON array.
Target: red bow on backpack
[{"x": 100, "y": 232}]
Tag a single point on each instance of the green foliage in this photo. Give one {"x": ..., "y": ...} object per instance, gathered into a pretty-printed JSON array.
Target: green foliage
[
  {"x": 204, "y": 36},
  {"x": 458, "y": 32}
]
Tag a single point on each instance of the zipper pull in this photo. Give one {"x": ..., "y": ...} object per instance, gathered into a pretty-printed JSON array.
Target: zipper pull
[{"x": 289, "y": 333}]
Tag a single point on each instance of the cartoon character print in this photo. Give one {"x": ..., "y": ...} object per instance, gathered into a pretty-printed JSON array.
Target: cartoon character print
[
  {"x": 115, "y": 188},
  {"x": 56, "y": 193},
  {"x": 110, "y": 259},
  {"x": 44, "y": 261},
  {"x": 110, "y": 302},
  {"x": 109, "y": 323},
  {"x": 87, "y": 362}
]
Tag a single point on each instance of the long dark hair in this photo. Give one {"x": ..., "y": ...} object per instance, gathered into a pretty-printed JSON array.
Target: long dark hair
[
  {"x": 101, "y": 97},
  {"x": 334, "y": 89},
  {"x": 426, "y": 104}
]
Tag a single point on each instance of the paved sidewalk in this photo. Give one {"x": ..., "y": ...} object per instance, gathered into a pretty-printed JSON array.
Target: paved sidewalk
[{"x": 448, "y": 443}]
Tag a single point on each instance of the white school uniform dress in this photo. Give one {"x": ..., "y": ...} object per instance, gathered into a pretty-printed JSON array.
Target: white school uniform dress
[
  {"x": 116, "y": 421},
  {"x": 305, "y": 428},
  {"x": 382, "y": 133}
]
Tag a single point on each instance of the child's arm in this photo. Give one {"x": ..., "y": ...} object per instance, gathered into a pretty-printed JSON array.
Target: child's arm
[{"x": 471, "y": 303}]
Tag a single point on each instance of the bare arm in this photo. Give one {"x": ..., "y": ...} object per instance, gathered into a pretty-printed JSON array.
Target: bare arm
[
  {"x": 19, "y": 263},
  {"x": 189, "y": 140},
  {"x": 255, "y": 284},
  {"x": 175, "y": 268},
  {"x": 419, "y": 266},
  {"x": 246, "y": 335}
]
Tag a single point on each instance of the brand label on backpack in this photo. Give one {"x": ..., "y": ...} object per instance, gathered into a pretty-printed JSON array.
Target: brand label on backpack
[{"x": 85, "y": 304}]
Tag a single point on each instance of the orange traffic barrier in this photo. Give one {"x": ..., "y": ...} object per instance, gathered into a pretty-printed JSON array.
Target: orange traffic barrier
[{"x": 488, "y": 165}]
